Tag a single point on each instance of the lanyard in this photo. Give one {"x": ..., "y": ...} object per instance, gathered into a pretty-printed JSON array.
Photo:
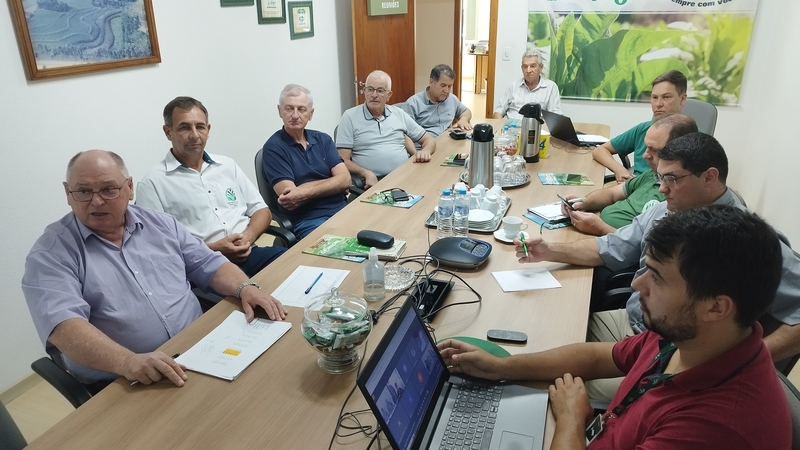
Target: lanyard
[{"x": 642, "y": 386}]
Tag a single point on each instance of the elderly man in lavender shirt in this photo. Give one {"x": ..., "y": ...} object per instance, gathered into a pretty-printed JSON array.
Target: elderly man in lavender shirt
[{"x": 107, "y": 284}]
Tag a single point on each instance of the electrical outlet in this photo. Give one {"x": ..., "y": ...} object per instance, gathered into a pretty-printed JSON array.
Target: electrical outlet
[{"x": 507, "y": 54}]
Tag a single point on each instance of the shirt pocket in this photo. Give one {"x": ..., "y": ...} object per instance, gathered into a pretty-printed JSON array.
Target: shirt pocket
[{"x": 171, "y": 273}]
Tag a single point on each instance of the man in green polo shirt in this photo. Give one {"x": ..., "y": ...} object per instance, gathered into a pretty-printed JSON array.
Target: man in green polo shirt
[
  {"x": 619, "y": 204},
  {"x": 668, "y": 96}
]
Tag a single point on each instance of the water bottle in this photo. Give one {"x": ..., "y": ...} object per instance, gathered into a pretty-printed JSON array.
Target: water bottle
[
  {"x": 374, "y": 277},
  {"x": 444, "y": 214},
  {"x": 461, "y": 214}
]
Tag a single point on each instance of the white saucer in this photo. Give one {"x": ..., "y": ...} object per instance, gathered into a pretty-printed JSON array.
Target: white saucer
[
  {"x": 480, "y": 215},
  {"x": 500, "y": 235}
]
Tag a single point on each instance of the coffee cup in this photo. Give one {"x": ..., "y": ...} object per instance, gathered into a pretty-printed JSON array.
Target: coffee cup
[
  {"x": 512, "y": 226},
  {"x": 491, "y": 203}
]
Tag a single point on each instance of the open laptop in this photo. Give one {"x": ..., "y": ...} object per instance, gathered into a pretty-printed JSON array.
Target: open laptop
[
  {"x": 561, "y": 127},
  {"x": 413, "y": 396}
]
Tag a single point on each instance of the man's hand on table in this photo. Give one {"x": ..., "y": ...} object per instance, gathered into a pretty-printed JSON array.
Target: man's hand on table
[
  {"x": 570, "y": 403},
  {"x": 537, "y": 249},
  {"x": 422, "y": 156},
  {"x": 252, "y": 297},
  {"x": 468, "y": 359},
  {"x": 147, "y": 368},
  {"x": 463, "y": 125}
]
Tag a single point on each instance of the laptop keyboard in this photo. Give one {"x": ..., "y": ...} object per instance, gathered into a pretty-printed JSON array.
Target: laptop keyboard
[{"x": 473, "y": 417}]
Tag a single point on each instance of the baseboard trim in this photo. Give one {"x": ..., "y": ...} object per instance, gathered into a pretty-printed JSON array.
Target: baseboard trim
[{"x": 20, "y": 388}]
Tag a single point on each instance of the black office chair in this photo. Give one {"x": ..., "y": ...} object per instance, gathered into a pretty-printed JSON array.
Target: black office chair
[
  {"x": 10, "y": 436},
  {"x": 269, "y": 195},
  {"x": 626, "y": 163},
  {"x": 793, "y": 396},
  {"x": 53, "y": 370}
]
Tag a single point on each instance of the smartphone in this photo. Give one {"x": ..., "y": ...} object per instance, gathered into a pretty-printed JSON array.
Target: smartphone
[
  {"x": 516, "y": 337},
  {"x": 574, "y": 178},
  {"x": 565, "y": 202}
]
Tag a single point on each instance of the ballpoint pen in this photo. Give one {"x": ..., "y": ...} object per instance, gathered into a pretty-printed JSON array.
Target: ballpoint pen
[
  {"x": 315, "y": 282},
  {"x": 135, "y": 382},
  {"x": 524, "y": 245}
]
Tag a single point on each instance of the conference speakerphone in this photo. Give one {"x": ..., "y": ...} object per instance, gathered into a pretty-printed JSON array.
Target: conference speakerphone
[{"x": 461, "y": 253}]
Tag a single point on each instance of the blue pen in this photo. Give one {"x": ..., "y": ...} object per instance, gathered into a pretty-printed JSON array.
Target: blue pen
[{"x": 315, "y": 282}]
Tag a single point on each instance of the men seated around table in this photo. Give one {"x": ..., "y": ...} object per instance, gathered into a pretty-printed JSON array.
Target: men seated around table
[
  {"x": 436, "y": 108},
  {"x": 532, "y": 87},
  {"x": 619, "y": 204},
  {"x": 692, "y": 170},
  {"x": 107, "y": 284},
  {"x": 209, "y": 194},
  {"x": 303, "y": 166},
  {"x": 371, "y": 137},
  {"x": 701, "y": 377},
  {"x": 668, "y": 96}
]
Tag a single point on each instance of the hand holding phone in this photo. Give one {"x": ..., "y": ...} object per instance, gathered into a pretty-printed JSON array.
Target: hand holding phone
[{"x": 566, "y": 202}]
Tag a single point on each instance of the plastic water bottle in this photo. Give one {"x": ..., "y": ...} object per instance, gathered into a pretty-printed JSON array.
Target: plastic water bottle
[
  {"x": 374, "y": 277},
  {"x": 444, "y": 215},
  {"x": 461, "y": 214}
]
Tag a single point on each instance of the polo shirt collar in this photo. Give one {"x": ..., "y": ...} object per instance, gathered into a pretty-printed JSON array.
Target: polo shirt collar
[
  {"x": 368, "y": 115},
  {"x": 725, "y": 366},
  {"x": 289, "y": 140},
  {"x": 171, "y": 163},
  {"x": 428, "y": 100}
]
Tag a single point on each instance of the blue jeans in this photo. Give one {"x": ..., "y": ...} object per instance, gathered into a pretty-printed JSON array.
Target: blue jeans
[
  {"x": 302, "y": 229},
  {"x": 259, "y": 258}
]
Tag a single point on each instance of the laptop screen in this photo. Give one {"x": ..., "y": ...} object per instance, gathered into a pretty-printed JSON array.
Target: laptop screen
[{"x": 402, "y": 377}]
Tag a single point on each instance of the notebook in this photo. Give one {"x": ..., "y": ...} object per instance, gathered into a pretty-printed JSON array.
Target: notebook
[
  {"x": 412, "y": 395},
  {"x": 561, "y": 128}
]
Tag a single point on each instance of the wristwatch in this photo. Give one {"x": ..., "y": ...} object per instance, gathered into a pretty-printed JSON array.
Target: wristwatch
[{"x": 244, "y": 285}]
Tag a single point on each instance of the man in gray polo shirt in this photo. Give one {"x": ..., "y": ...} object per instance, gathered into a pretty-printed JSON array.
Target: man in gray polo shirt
[
  {"x": 436, "y": 107},
  {"x": 371, "y": 137}
]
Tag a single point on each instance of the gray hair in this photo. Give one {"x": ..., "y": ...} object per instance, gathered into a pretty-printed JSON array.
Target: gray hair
[
  {"x": 114, "y": 157},
  {"x": 533, "y": 54},
  {"x": 295, "y": 90},
  {"x": 380, "y": 73}
]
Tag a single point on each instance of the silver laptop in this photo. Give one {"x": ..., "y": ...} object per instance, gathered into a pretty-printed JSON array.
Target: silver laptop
[
  {"x": 418, "y": 404},
  {"x": 561, "y": 127}
]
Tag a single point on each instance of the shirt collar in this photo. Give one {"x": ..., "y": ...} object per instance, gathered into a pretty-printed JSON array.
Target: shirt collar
[
  {"x": 368, "y": 115},
  {"x": 428, "y": 100},
  {"x": 725, "y": 366},
  {"x": 171, "y": 163},
  {"x": 289, "y": 140},
  {"x": 542, "y": 83},
  {"x": 132, "y": 222}
]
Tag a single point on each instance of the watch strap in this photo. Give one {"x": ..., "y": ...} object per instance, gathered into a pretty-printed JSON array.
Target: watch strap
[{"x": 244, "y": 285}]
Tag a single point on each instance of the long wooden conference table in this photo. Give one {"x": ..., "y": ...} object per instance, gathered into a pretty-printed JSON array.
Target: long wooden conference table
[{"x": 284, "y": 400}]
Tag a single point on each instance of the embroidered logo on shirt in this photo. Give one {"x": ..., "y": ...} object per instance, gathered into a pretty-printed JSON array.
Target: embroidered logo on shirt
[
  {"x": 230, "y": 194},
  {"x": 650, "y": 204}
]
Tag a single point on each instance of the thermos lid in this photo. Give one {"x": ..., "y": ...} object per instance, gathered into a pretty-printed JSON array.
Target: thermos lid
[
  {"x": 532, "y": 111},
  {"x": 482, "y": 132}
]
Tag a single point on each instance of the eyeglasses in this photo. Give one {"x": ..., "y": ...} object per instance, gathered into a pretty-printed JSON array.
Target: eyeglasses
[
  {"x": 369, "y": 90},
  {"x": 671, "y": 180},
  {"x": 86, "y": 195}
]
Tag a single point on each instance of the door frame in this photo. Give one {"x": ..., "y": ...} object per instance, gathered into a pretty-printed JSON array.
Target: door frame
[{"x": 458, "y": 45}]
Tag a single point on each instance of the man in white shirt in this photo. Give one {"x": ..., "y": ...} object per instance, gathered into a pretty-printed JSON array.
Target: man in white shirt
[
  {"x": 208, "y": 194},
  {"x": 531, "y": 88}
]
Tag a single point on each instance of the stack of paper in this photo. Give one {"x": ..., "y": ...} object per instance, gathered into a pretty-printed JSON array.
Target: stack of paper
[{"x": 233, "y": 346}]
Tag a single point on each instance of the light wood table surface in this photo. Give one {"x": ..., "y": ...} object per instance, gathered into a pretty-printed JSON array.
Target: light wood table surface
[{"x": 284, "y": 400}]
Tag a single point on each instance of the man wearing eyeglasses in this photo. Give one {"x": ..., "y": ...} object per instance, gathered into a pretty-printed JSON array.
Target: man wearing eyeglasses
[
  {"x": 107, "y": 284},
  {"x": 693, "y": 170},
  {"x": 208, "y": 193},
  {"x": 303, "y": 166},
  {"x": 371, "y": 137}
]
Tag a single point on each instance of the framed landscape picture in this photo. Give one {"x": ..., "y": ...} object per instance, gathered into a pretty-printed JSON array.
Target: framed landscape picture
[
  {"x": 271, "y": 11},
  {"x": 67, "y": 37}
]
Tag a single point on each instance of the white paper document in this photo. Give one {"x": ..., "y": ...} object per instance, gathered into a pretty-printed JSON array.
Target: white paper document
[
  {"x": 292, "y": 292},
  {"x": 233, "y": 346},
  {"x": 525, "y": 280}
]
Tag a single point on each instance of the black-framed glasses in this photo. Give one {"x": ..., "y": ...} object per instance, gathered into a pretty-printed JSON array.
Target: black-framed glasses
[
  {"x": 86, "y": 195},
  {"x": 369, "y": 90},
  {"x": 671, "y": 180}
]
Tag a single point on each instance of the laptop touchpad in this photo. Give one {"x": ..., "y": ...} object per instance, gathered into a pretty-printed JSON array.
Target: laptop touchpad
[{"x": 515, "y": 441}]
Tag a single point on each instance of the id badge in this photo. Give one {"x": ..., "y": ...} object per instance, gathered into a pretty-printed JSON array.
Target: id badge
[{"x": 595, "y": 428}]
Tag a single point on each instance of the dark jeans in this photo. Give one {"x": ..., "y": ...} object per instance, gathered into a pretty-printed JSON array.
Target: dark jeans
[{"x": 259, "y": 258}]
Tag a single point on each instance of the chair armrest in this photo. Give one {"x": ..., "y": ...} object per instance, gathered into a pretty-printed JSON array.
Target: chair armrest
[
  {"x": 72, "y": 389},
  {"x": 283, "y": 236},
  {"x": 616, "y": 298},
  {"x": 620, "y": 280}
]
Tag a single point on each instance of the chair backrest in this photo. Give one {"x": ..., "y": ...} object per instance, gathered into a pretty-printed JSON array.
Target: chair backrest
[
  {"x": 704, "y": 113},
  {"x": 268, "y": 194},
  {"x": 10, "y": 436},
  {"x": 793, "y": 396}
]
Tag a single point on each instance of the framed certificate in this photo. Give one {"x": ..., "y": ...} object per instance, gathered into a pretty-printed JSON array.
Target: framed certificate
[
  {"x": 301, "y": 20},
  {"x": 271, "y": 11}
]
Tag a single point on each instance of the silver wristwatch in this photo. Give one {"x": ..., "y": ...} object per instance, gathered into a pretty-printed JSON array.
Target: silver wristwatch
[{"x": 244, "y": 285}]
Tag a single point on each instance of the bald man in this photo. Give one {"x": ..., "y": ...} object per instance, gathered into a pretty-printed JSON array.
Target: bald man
[
  {"x": 107, "y": 284},
  {"x": 371, "y": 136}
]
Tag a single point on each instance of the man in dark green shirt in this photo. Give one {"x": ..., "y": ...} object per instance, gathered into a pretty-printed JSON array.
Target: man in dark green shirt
[{"x": 619, "y": 204}]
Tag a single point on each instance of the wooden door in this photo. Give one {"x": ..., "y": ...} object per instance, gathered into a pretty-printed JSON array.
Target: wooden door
[{"x": 384, "y": 43}]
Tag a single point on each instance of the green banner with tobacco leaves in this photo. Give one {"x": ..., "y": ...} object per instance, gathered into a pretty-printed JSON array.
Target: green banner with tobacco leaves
[{"x": 613, "y": 49}]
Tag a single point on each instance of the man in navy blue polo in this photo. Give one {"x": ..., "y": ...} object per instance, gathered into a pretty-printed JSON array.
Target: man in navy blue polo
[{"x": 303, "y": 166}]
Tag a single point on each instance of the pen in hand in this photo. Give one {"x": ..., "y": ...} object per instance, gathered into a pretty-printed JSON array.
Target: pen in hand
[
  {"x": 315, "y": 282},
  {"x": 524, "y": 245},
  {"x": 135, "y": 382}
]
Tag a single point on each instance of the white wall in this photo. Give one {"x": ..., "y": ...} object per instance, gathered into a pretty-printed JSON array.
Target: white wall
[
  {"x": 763, "y": 163},
  {"x": 220, "y": 56},
  {"x": 434, "y": 38}
]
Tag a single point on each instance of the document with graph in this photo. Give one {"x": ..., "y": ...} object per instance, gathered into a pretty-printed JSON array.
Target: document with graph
[{"x": 233, "y": 346}]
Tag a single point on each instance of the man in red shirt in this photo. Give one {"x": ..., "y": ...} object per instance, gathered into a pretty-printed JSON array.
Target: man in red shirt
[{"x": 701, "y": 377}]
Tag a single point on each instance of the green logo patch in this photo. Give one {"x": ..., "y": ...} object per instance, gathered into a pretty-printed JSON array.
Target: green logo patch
[{"x": 230, "y": 194}]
